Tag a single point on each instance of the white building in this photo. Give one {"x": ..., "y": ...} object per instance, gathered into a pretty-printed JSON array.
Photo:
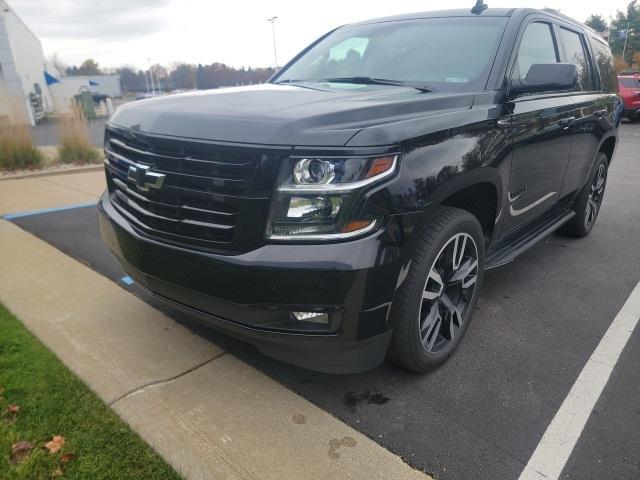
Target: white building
[
  {"x": 23, "y": 88},
  {"x": 68, "y": 87}
]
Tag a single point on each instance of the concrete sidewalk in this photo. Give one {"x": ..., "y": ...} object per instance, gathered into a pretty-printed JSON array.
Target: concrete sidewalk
[
  {"x": 208, "y": 414},
  {"x": 51, "y": 191}
]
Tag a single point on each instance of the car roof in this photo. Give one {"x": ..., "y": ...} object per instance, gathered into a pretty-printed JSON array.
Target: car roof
[{"x": 466, "y": 12}]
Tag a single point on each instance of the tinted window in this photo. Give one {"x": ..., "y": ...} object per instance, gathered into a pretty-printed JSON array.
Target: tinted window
[
  {"x": 536, "y": 46},
  {"x": 630, "y": 82},
  {"x": 604, "y": 60},
  {"x": 574, "y": 51},
  {"x": 450, "y": 54}
]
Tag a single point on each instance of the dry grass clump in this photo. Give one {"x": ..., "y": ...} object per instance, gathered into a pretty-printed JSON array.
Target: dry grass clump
[
  {"x": 16, "y": 145},
  {"x": 17, "y": 151},
  {"x": 74, "y": 140}
]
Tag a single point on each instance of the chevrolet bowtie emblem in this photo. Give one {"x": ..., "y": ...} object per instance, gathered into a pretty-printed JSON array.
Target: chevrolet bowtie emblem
[{"x": 144, "y": 178}]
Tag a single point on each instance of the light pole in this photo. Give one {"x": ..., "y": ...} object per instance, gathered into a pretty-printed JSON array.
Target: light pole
[
  {"x": 153, "y": 87},
  {"x": 626, "y": 37},
  {"x": 272, "y": 21}
]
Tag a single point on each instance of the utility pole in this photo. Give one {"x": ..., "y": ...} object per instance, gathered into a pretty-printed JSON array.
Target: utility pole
[{"x": 272, "y": 21}]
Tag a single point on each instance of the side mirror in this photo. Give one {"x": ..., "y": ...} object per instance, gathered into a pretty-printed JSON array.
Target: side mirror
[{"x": 547, "y": 77}]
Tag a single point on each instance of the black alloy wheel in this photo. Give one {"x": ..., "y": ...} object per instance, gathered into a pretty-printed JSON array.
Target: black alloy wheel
[
  {"x": 589, "y": 200},
  {"x": 448, "y": 292},
  {"x": 434, "y": 304},
  {"x": 596, "y": 192}
]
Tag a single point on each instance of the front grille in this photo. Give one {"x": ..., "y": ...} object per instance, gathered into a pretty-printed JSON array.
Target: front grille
[{"x": 211, "y": 196}]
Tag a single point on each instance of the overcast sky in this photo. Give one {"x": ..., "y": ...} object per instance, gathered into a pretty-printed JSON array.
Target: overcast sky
[{"x": 235, "y": 32}]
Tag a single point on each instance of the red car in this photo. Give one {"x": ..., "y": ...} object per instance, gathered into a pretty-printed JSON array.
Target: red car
[{"x": 630, "y": 92}]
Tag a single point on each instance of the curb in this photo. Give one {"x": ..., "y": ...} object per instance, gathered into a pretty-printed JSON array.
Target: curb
[
  {"x": 207, "y": 413},
  {"x": 46, "y": 173}
]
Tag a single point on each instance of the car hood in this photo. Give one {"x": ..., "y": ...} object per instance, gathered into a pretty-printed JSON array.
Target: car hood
[{"x": 326, "y": 115}]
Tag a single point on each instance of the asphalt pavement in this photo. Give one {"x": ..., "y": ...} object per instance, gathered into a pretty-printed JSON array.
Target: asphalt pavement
[
  {"x": 482, "y": 415},
  {"x": 48, "y": 133}
]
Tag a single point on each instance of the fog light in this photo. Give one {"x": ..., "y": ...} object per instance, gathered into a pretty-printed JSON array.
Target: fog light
[{"x": 314, "y": 317}]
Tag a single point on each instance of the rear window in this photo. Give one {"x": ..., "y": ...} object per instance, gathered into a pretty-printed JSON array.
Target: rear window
[
  {"x": 604, "y": 60},
  {"x": 630, "y": 82},
  {"x": 575, "y": 53}
]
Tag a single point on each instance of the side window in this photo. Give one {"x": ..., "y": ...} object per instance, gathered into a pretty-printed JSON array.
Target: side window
[
  {"x": 536, "y": 46},
  {"x": 604, "y": 59},
  {"x": 575, "y": 53}
]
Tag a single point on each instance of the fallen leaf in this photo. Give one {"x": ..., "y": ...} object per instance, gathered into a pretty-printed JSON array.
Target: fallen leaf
[
  {"x": 57, "y": 472},
  {"x": 67, "y": 457},
  {"x": 56, "y": 443},
  {"x": 13, "y": 409},
  {"x": 19, "y": 451}
]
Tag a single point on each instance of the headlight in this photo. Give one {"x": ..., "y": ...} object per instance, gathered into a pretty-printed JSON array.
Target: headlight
[
  {"x": 316, "y": 195},
  {"x": 335, "y": 175}
]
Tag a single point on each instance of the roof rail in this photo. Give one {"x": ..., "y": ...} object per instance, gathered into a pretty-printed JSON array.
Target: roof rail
[{"x": 559, "y": 14}]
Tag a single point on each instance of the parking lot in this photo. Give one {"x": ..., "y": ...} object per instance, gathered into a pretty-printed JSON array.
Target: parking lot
[{"x": 483, "y": 414}]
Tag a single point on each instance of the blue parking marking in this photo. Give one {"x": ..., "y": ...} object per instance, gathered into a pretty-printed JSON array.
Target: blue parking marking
[{"x": 13, "y": 216}]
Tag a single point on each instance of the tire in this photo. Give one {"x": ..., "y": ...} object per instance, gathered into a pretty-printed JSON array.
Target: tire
[
  {"x": 588, "y": 202},
  {"x": 453, "y": 236}
]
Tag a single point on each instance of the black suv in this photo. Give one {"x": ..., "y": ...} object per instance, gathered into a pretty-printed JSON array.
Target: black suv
[{"x": 347, "y": 209}]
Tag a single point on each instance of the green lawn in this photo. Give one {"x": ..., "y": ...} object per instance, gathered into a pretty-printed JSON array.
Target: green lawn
[{"x": 54, "y": 402}]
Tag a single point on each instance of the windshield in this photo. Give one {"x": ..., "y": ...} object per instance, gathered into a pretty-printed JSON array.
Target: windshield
[{"x": 445, "y": 54}]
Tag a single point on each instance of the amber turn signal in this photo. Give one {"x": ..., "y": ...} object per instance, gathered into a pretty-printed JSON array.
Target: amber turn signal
[
  {"x": 355, "y": 225},
  {"x": 380, "y": 165}
]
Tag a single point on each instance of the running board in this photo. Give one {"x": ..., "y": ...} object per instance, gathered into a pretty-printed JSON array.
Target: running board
[{"x": 519, "y": 242}]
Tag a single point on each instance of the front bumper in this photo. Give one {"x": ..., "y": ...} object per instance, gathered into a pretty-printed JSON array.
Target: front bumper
[{"x": 250, "y": 296}]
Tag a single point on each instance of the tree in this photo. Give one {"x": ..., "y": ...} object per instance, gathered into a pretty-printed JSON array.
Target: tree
[
  {"x": 88, "y": 67},
  {"x": 131, "y": 80},
  {"x": 57, "y": 63},
  {"x": 619, "y": 64},
  {"x": 183, "y": 76},
  {"x": 597, "y": 22},
  {"x": 626, "y": 25},
  {"x": 160, "y": 76}
]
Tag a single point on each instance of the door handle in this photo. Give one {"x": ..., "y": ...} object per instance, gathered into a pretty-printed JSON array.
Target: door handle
[{"x": 566, "y": 122}]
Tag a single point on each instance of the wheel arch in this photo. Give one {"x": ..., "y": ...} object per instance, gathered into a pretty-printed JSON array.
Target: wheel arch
[
  {"x": 608, "y": 147},
  {"x": 478, "y": 192}
]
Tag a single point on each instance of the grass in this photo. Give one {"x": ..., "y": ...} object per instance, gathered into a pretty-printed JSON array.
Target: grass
[
  {"x": 16, "y": 148},
  {"x": 52, "y": 401},
  {"x": 74, "y": 140}
]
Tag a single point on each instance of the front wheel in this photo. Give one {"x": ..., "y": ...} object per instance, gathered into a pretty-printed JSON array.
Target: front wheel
[
  {"x": 588, "y": 202},
  {"x": 435, "y": 303}
]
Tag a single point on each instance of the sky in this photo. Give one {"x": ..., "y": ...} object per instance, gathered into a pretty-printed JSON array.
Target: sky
[{"x": 235, "y": 32}]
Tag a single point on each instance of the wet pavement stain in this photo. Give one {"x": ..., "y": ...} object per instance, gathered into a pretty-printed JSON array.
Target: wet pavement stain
[
  {"x": 352, "y": 400},
  {"x": 335, "y": 444},
  {"x": 299, "y": 419}
]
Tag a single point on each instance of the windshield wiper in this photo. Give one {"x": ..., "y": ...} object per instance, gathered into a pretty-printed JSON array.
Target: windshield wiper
[
  {"x": 289, "y": 80},
  {"x": 298, "y": 83},
  {"x": 378, "y": 81}
]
